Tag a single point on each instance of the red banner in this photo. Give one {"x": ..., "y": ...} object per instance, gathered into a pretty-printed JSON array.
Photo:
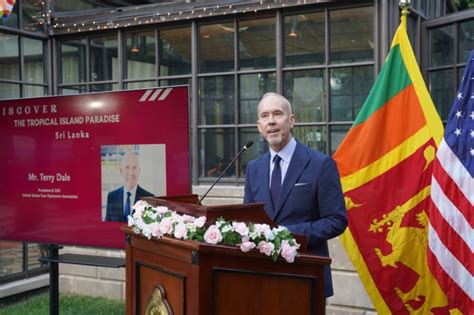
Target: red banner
[{"x": 65, "y": 157}]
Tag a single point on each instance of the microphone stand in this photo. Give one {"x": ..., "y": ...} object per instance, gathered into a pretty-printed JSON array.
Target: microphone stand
[{"x": 226, "y": 169}]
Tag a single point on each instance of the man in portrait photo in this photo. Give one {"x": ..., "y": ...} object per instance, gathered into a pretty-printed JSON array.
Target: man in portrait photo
[{"x": 121, "y": 200}]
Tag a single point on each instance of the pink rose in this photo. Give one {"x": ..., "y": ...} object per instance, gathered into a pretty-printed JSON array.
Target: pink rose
[
  {"x": 247, "y": 246},
  {"x": 199, "y": 222},
  {"x": 266, "y": 247},
  {"x": 187, "y": 218},
  {"x": 155, "y": 229},
  {"x": 213, "y": 235},
  {"x": 165, "y": 226},
  {"x": 241, "y": 228},
  {"x": 288, "y": 252},
  {"x": 180, "y": 230},
  {"x": 139, "y": 207},
  {"x": 161, "y": 210}
]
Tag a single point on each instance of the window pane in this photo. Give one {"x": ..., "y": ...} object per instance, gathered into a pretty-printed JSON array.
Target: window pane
[
  {"x": 71, "y": 90},
  {"x": 352, "y": 35},
  {"x": 9, "y": 90},
  {"x": 349, "y": 90},
  {"x": 34, "y": 67},
  {"x": 442, "y": 91},
  {"x": 34, "y": 91},
  {"x": 11, "y": 258},
  {"x": 466, "y": 40},
  {"x": 216, "y": 105},
  {"x": 313, "y": 136},
  {"x": 216, "y": 47},
  {"x": 217, "y": 150},
  {"x": 104, "y": 65},
  {"x": 139, "y": 85},
  {"x": 9, "y": 64},
  {"x": 257, "y": 44},
  {"x": 36, "y": 251},
  {"x": 442, "y": 46},
  {"x": 76, "y": 5},
  {"x": 12, "y": 19},
  {"x": 337, "y": 135},
  {"x": 305, "y": 90},
  {"x": 32, "y": 15},
  {"x": 252, "y": 87},
  {"x": 140, "y": 55},
  {"x": 259, "y": 147},
  {"x": 104, "y": 87},
  {"x": 169, "y": 82},
  {"x": 175, "y": 51},
  {"x": 460, "y": 75},
  {"x": 73, "y": 61},
  {"x": 304, "y": 37}
]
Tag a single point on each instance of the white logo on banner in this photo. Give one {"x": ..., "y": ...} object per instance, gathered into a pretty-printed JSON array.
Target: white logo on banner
[{"x": 153, "y": 94}]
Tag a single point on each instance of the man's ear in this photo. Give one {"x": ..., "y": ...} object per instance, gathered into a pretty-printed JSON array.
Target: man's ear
[{"x": 292, "y": 120}]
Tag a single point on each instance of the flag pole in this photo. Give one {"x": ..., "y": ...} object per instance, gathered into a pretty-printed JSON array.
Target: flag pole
[{"x": 405, "y": 6}]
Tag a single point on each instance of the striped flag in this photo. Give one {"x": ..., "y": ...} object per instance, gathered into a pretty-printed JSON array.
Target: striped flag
[
  {"x": 451, "y": 213},
  {"x": 385, "y": 163},
  {"x": 6, "y": 7}
]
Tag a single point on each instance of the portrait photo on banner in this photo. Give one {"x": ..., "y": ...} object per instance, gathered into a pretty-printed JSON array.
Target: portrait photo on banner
[{"x": 130, "y": 172}]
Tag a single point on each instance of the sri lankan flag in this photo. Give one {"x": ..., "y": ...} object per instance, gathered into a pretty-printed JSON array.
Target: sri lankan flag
[{"x": 385, "y": 163}]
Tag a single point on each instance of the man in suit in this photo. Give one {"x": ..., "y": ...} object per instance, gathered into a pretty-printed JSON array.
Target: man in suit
[
  {"x": 299, "y": 186},
  {"x": 120, "y": 201}
]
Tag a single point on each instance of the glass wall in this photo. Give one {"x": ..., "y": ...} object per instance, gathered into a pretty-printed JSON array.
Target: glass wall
[
  {"x": 326, "y": 70},
  {"x": 449, "y": 46},
  {"x": 22, "y": 67}
]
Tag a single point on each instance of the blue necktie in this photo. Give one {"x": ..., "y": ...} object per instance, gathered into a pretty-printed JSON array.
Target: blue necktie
[
  {"x": 127, "y": 206},
  {"x": 275, "y": 185}
]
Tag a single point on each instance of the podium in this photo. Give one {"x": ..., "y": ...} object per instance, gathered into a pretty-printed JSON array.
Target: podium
[{"x": 171, "y": 276}]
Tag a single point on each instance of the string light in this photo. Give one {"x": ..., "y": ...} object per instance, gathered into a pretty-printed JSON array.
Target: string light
[{"x": 182, "y": 14}]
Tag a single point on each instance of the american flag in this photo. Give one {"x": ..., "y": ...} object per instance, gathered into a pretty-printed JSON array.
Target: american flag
[
  {"x": 450, "y": 233},
  {"x": 6, "y": 7}
]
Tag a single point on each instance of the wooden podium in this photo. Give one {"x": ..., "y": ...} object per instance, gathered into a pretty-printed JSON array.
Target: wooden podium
[{"x": 170, "y": 276}]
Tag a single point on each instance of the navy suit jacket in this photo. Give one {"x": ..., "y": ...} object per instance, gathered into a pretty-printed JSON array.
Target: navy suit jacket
[
  {"x": 115, "y": 205},
  {"x": 311, "y": 202}
]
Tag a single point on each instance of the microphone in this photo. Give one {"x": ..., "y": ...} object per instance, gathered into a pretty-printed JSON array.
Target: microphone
[{"x": 248, "y": 145}]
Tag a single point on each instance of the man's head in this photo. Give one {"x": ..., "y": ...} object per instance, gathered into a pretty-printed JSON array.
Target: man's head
[
  {"x": 275, "y": 120},
  {"x": 130, "y": 170}
]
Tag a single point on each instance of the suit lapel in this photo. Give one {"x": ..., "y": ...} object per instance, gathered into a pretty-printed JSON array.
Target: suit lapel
[
  {"x": 264, "y": 180},
  {"x": 298, "y": 162}
]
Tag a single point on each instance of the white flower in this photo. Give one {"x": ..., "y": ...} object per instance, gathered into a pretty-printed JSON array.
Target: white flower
[
  {"x": 187, "y": 218},
  {"x": 227, "y": 228},
  {"x": 180, "y": 231},
  {"x": 166, "y": 226},
  {"x": 199, "y": 222}
]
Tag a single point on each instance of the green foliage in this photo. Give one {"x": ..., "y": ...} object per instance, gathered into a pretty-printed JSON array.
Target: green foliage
[
  {"x": 464, "y": 4},
  {"x": 197, "y": 235},
  {"x": 69, "y": 304}
]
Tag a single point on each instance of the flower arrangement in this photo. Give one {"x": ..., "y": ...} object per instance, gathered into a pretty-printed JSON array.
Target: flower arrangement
[{"x": 160, "y": 221}]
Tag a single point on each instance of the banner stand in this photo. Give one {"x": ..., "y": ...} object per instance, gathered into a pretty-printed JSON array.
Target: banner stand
[{"x": 86, "y": 260}]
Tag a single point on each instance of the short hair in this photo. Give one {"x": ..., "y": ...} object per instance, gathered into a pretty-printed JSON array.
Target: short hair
[{"x": 285, "y": 101}]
